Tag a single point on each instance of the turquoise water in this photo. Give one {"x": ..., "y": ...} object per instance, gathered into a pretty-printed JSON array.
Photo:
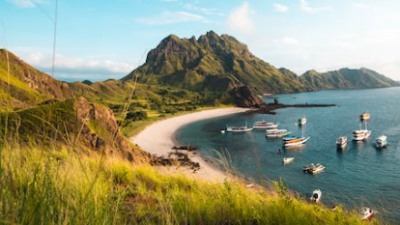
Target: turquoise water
[{"x": 359, "y": 175}]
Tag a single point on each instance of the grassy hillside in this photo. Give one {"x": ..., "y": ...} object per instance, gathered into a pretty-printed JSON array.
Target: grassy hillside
[
  {"x": 57, "y": 186},
  {"x": 24, "y": 86}
]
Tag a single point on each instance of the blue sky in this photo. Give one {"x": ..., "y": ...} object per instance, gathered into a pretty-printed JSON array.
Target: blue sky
[{"x": 107, "y": 39}]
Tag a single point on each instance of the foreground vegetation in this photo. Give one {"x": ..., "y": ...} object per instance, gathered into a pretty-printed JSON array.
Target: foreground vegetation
[{"x": 57, "y": 186}]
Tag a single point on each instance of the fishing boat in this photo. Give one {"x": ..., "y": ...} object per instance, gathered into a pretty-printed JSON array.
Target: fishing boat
[
  {"x": 361, "y": 135},
  {"x": 365, "y": 116},
  {"x": 313, "y": 169},
  {"x": 265, "y": 125},
  {"x": 302, "y": 121},
  {"x": 316, "y": 196},
  {"x": 295, "y": 141},
  {"x": 381, "y": 141},
  {"x": 276, "y": 133},
  {"x": 341, "y": 142},
  {"x": 287, "y": 160},
  {"x": 367, "y": 213}
]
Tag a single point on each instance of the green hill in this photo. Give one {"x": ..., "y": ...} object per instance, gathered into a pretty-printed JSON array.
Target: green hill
[
  {"x": 211, "y": 63},
  {"x": 24, "y": 86},
  {"x": 345, "y": 79},
  {"x": 218, "y": 64}
]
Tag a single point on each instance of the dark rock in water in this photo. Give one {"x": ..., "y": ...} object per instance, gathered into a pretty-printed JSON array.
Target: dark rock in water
[{"x": 245, "y": 96}]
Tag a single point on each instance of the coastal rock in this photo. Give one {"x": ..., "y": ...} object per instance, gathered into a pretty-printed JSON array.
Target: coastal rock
[{"x": 245, "y": 96}]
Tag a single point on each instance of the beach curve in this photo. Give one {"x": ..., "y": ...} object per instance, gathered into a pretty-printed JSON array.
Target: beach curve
[{"x": 158, "y": 139}]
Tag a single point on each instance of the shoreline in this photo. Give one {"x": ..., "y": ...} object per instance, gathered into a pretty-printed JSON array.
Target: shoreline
[{"x": 158, "y": 139}]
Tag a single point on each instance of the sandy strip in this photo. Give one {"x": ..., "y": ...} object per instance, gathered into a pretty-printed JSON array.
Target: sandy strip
[{"x": 159, "y": 138}]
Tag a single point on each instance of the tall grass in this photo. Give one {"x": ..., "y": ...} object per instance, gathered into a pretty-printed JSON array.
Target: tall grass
[{"x": 48, "y": 186}]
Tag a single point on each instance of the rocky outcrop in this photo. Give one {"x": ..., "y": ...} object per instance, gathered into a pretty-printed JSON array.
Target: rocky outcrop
[
  {"x": 245, "y": 96},
  {"x": 100, "y": 131}
]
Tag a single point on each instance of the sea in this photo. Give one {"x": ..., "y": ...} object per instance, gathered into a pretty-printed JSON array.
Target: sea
[{"x": 360, "y": 175}]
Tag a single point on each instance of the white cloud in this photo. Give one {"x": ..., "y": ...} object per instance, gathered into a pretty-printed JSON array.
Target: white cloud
[
  {"x": 305, "y": 6},
  {"x": 169, "y": 17},
  {"x": 68, "y": 67},
  {"x": 26, "y": 3},
  {"x": 290, "y": 41},
  {"x": 207, "y": 11},
  {"x": 280, "y": 8},
  {"x": 240, "y": 21}
]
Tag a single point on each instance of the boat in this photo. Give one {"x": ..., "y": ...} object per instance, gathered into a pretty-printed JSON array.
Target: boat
[
  {"x": 367, "y": 213},
  {"x": 288, "y": 138},
  {"x": 265, "y": 125},
  {"x": 316, "y": 196},
  {"x": 302, "y": 121},
  {"x": 308, "y": 167},
  {"x": 238, "y": 129},
  {"x": 276, "y": 133},
  {"x": 361, "y": 135},
  {"x": 295, "y": 141},
  {"x": 287, "y": 160},
  {"x": 341, "y": 142},
  {"x": 222, "y": 131},
  {"x": 365, "y": 116},
  {"x": 381, "y": 141},
  {"x": 313, "y": 169},
  {"x": 317, "y": 169}
]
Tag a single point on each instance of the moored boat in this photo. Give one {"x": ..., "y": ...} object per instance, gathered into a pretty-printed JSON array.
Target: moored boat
[
  {"x": 316, "y": 196},
  {"x": 265, "y": 125},
  {"x": 341, "y": 142},
  {"x": 238, "y": 129},
  {"x": 313, "y": 169},
  {"x": 295, "y": 141},
  {"x": 365, "y": 116},
  {"x": 367, "y": 213},
  {"x": 276, "y": 133},
  {"x": 287, "y": 160},
  {"x": 381, "y": 141},
  {"x": 361, "y": 135},
  {"x": 222, "y": 131}
]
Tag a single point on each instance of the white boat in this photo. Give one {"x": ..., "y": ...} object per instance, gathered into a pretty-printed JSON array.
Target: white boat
[
  {"x": 302, "y": 121},
  {"x": 265, "y": 125},
  {"x": 316, "y": 196},
  {"x": 295, "y": 141},
  {"x": 222, "y": 131},
  {"x": 365, "y": 116},
  {"x": 361, "y": 135},
  {"x": 276, "y": 133},
  {"x": 313, "y": 169},
  {"x": 341, "y": 142},
  {"x": 381, "y": 141},
  {"x": 238, "y": 129},
  {"x": 287, "y": 160},
  {"x": 317, "y": 169},
  {"x": 367, "y": 213}
]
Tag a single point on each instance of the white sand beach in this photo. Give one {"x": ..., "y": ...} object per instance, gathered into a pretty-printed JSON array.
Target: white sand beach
[{"x": 159, "y": 138}]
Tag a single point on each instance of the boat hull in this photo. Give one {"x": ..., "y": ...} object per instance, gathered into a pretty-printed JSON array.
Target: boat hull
[{"x": 304, "y": 140}]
